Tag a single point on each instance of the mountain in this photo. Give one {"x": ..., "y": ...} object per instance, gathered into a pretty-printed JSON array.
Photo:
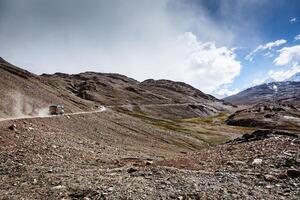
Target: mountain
[
  {"x": 110, "y": 155},
  {"x": 24, "y": 93},
  {"x": 295, "y": 77},
  {"x": 146, "y": 143},
  {"x": 283, "y": 92},
  {"x": 268, "y": 116},
  {"x": 160, "y": 98},
  {"x": 116, "y": 89}
]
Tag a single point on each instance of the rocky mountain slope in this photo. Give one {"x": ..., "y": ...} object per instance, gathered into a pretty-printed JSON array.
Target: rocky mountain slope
[
  {"x": 160, "y": 98},
  {"x": 268, "y": 116},
  {"x": 25, "y": 93},
  {"x": 156, "y": 139},
  {"x": 276, "y": 92},
  {"x": 116, "y": 89}
]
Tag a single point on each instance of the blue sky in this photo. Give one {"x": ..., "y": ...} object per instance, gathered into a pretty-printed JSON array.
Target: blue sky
[
  {"x": 273, "y": 20},
  {"x": 205, "y": 43}
]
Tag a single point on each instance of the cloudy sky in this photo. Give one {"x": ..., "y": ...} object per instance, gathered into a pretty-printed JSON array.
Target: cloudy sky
[{"x": 220, "y": 47}]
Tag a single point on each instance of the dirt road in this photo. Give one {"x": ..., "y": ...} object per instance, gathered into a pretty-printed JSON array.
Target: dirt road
[{"x": 102, "y": 109}]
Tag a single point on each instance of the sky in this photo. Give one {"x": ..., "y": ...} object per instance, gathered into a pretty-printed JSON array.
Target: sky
[{"x": 219, "y": 47}]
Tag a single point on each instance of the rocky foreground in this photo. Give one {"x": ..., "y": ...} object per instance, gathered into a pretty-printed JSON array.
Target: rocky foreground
[{"x": 107, "y": 156}]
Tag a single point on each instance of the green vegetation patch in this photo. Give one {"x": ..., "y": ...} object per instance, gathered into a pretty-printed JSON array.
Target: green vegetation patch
[
  {"x": 220, "y": 117},
  {"x": 161, "y": 123},
  {"x": 210, "y": 130}
]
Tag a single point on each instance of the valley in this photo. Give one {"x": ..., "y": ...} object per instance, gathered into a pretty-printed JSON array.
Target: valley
[{"x": 156, "y": 139}]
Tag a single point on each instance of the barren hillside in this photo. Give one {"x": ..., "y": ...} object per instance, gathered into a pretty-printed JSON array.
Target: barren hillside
[
  {"x": 23, "y": 93},
  {"x": 161, "y": 98},
  {"x": 157, "y": 139},
  {"x": 269, "y": 116}
]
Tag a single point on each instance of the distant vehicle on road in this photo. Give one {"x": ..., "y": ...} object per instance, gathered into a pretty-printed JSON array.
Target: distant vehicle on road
[{"x": 56, "y": 110}]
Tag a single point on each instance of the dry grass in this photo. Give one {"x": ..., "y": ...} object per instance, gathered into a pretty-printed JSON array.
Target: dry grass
[
  {"x": 210, "y": 131},
  {"x": 221, "y": 117}
]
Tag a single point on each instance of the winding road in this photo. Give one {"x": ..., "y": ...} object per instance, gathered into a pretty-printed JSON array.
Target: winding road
[{"x": 102, "y": 109}]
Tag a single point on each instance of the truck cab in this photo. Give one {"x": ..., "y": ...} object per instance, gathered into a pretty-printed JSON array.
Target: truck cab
[{"x": 56, "y": 110}]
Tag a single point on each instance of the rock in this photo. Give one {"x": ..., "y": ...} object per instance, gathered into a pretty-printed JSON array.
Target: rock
[
  {"x": 180, "y": 198},
  {"x": 282, "y": 175},
  {"x": 203, "y": 196},
  {"x": 290, "y": 162},
  {"x": 293, "y": 173},
  {"x": 13, "y": 127},
  {"x": 131, "y": 170},
  {"x": 257, "y": 161},
  {"x": 58, "y": 155},
  {"x": 236, "y": 162},
  {"x": 287, "y": 190},
  {"x": 296, "y": 141},
  {"x": 59, "y": 187},
  {"x": 148, "y": 162},
  {"x": 269, "y": 186},
  {"x": 270, "y": 178},
  {"x": 34, "y": 181}
]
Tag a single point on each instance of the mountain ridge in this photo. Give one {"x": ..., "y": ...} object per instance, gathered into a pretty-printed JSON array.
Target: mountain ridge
[
  {"x": 282, "y": 92},
  {"x": 89, "y": 90}
]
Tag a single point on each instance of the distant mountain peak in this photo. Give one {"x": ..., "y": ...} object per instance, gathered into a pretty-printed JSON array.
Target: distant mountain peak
[{"x": 284, "y": 92}]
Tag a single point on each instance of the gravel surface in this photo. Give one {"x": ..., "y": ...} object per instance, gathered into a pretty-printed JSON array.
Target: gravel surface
[{"x": 114, "y": 156}]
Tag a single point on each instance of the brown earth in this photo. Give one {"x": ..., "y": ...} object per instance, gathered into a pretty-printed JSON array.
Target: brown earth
[
  {"x": 268, "y": 115},
  {"x": 24, "y": 93},
  {"x": 157, "y": 139},
  {"x": 110, "y": 155},
  {"x": 159, "y": 98}
]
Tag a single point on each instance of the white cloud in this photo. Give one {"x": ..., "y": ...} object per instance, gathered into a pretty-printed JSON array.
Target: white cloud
[
  {"x": 275, "y": 75},
  {"x": 293, "y": 20},
  {"x": 205, "y": 65},
  {"x": 257, "y": 81},
  {"x": 224, "y": 92},
  {"x": 139, "y": 41},
  {"x": 297, "y": 37},
  {"x": 268, "y": 54},
  {"x": 266, "y": 46},
  {"x": 284, "y": 74},
  {"x": 288, "y": 55}
]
